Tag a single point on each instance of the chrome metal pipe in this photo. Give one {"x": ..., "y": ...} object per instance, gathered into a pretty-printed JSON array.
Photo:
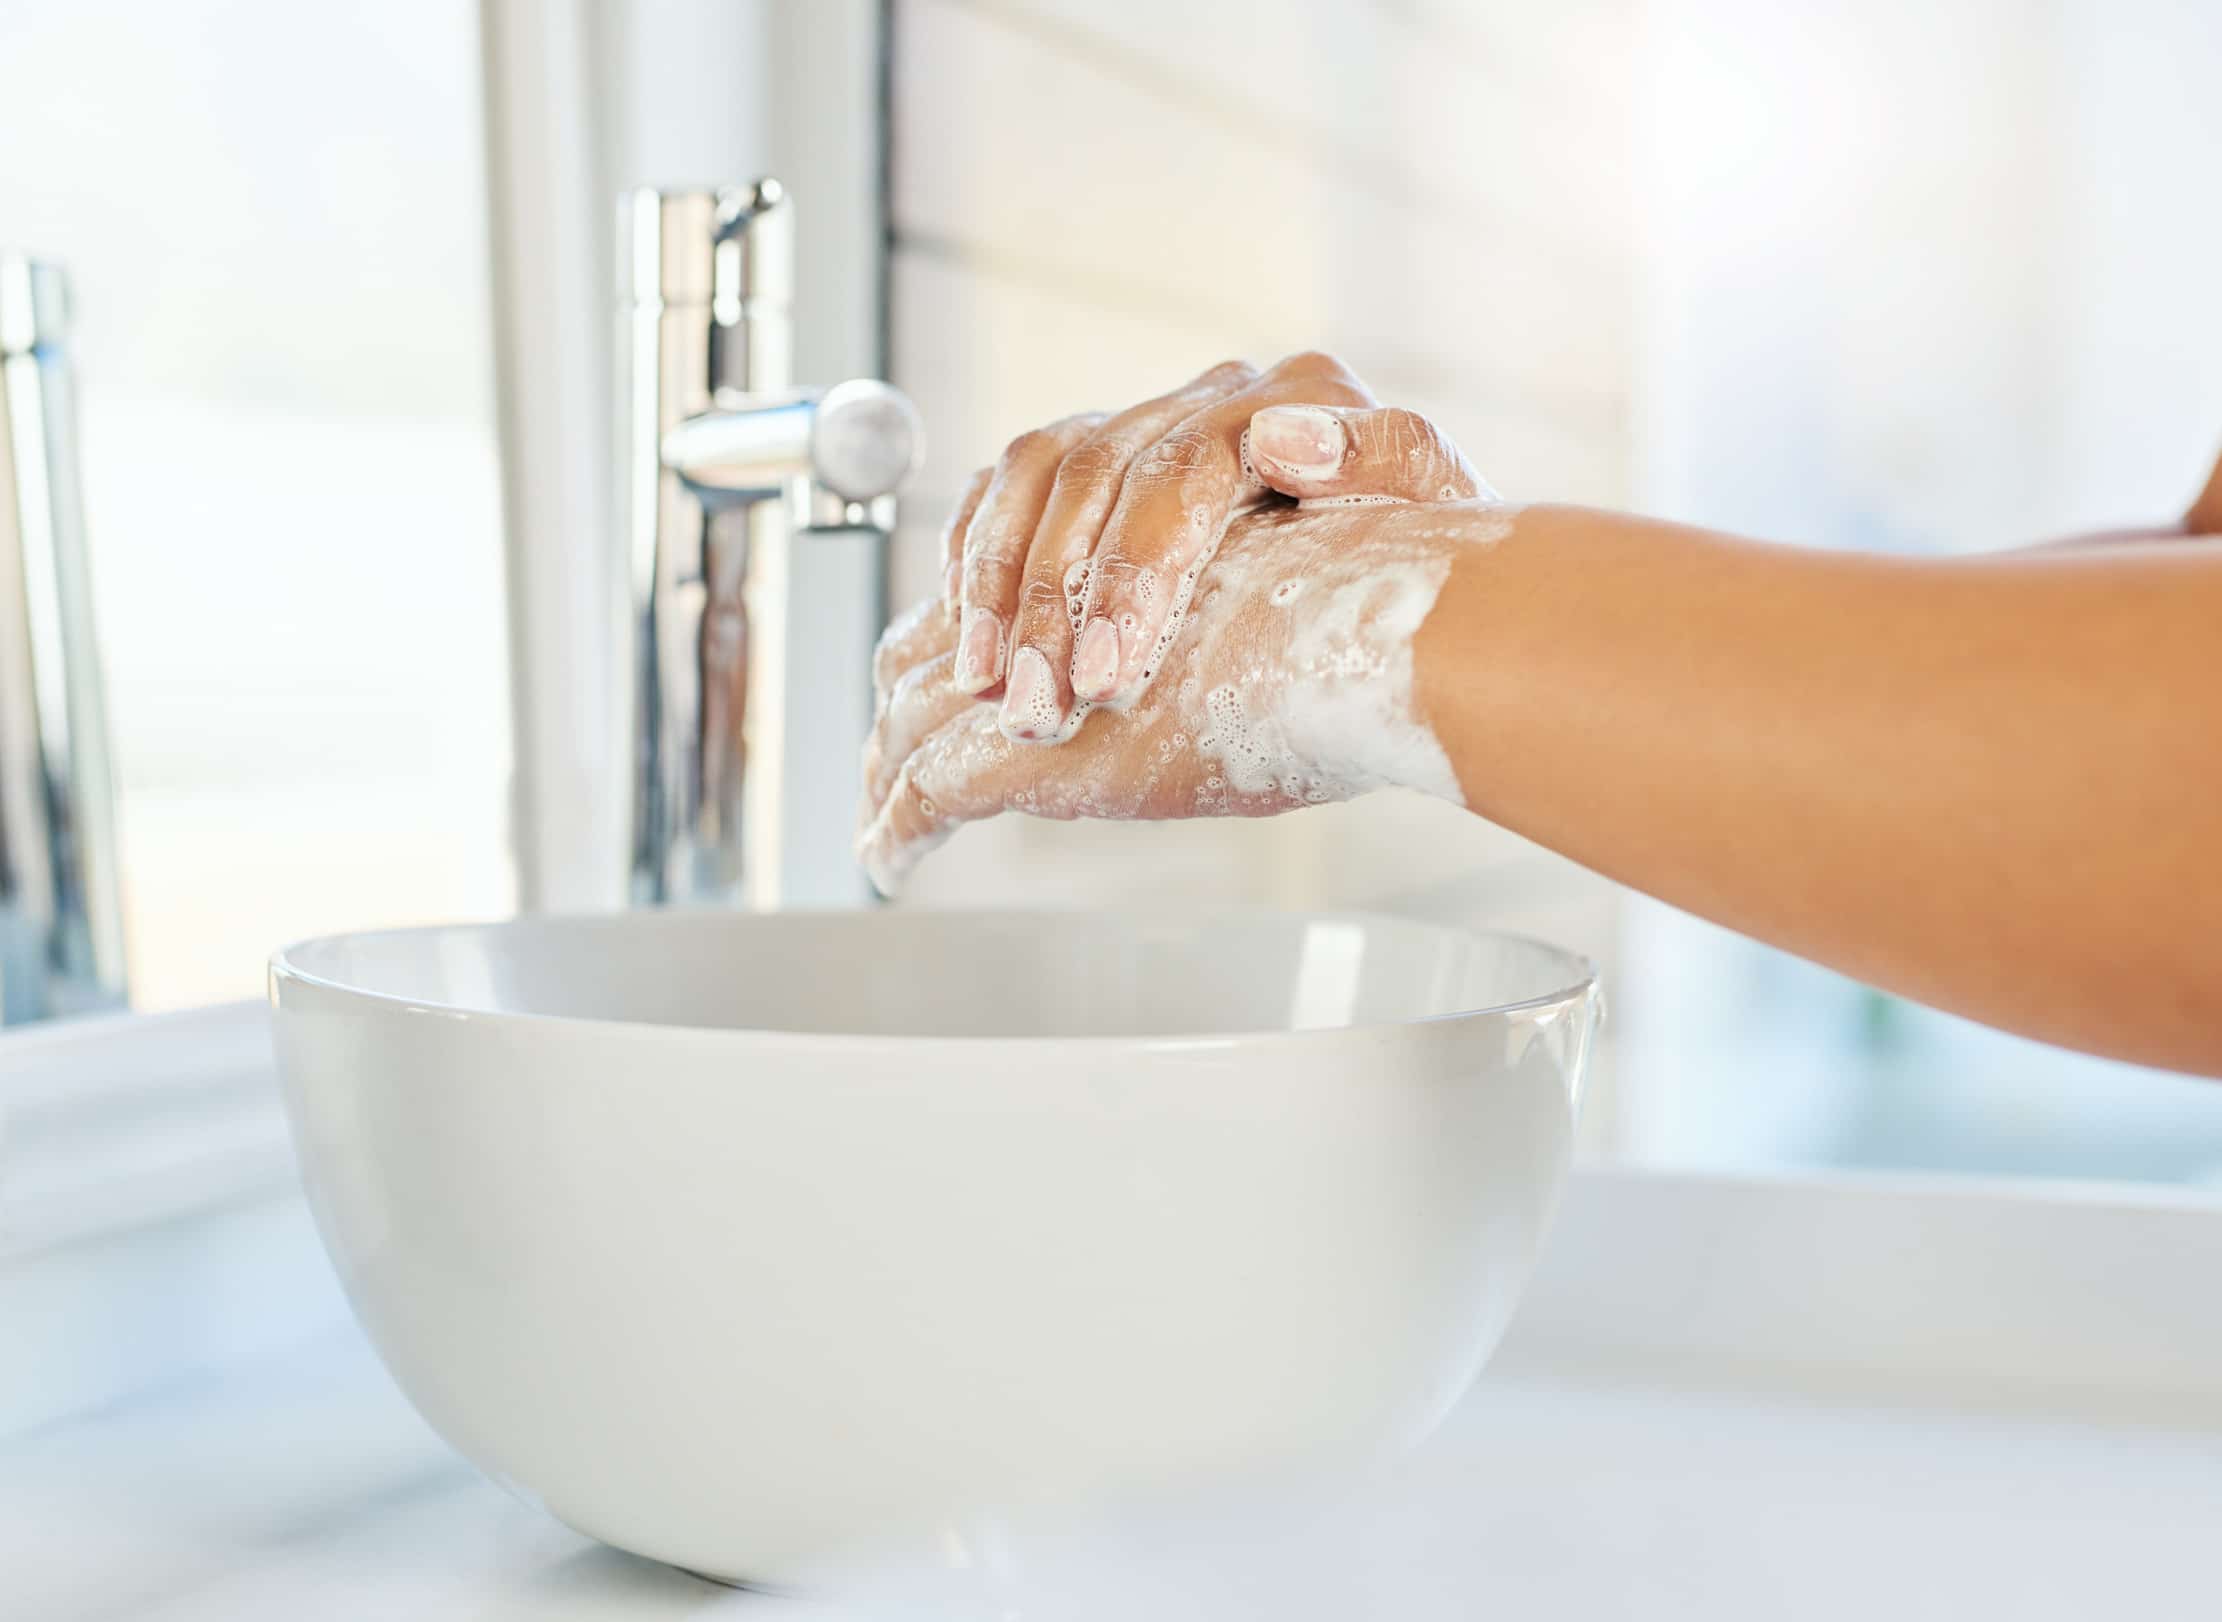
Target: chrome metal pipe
[
  {"x": 61, "y": 929},
  {"x": 855, "y": 441},
  {"x": 731, "y": 477}
]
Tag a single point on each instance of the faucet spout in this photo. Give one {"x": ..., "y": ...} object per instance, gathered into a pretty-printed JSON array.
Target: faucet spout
[
  {"x": 61, "y": 929},
  {"x": 748, "y": 501}
]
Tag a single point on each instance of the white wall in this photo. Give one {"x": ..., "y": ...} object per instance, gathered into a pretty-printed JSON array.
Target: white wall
[{"x": 2139, "y": 244}]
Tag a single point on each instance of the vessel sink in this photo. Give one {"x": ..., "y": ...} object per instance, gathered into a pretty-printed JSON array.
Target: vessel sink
[{"x": 746, "y": 1242}]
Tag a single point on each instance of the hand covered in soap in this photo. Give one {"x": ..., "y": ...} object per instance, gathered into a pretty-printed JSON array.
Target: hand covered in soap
[
  {"x": 1068, "y": 561},
  {"x": 1279, "y": 674}
]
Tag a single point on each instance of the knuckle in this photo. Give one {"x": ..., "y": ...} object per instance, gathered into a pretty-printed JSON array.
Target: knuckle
[
  {"x": 1188, "y": 449},
  {"x": 1420, "y": 430},
  {"x": 992, "y": 547},
  {"x": 1327, "y": 380},
  {"x": 1042, "y": 596},
  {"x": 1399, "y": 441},
  {"x": 1405, "y": 435},
  {"x": 1098, "y": 459},
  {"x": 1119, "y": 579},
  {"x": 988, "y": 582},
  {"x": 939, "y": 784},
  {"x": 1311, "y": 363},
  {"x": 1228, "y": 372},
  {"x": 909, "y": 694},
  {"x": 1041, "y": 592},
  {"x": 1438, "y": 457},
  {"x": 1035, "y": 445}
]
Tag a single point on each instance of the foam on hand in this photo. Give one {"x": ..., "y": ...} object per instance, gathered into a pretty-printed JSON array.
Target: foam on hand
[{"x": 1283, "y": 678}]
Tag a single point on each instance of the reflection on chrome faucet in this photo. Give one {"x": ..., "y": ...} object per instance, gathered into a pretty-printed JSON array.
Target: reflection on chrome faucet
[
  {"x": 61, "y": 932},
  {"x": 726, "y": 465}
]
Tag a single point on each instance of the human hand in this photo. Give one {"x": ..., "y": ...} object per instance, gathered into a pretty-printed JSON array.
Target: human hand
[
  {"x": 1070, "y": 562},
  {"x": 1288, "y": 682}
]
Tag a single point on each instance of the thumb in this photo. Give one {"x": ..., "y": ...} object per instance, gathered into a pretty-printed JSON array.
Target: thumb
[{"x": 1330, "y": 455}]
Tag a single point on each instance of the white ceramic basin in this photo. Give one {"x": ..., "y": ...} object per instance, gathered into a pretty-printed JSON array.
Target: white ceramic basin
[{"x": 739, "y": 1241}]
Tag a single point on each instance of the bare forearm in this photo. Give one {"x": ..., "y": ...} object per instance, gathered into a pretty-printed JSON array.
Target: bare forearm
[{"x": 1992, "y": 784}]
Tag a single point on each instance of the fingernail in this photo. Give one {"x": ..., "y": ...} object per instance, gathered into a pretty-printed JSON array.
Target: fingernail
[
  {"x": 1095, "y": 664},
  {"x": 1305, "y": 440},
  {"x": 1030, "y": 708},
  {"x": 980, "y": 652}
]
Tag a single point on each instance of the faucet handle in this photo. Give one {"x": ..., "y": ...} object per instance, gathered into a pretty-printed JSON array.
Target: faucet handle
[
  {"x": 856, "y": 443},
  {"x": 866, "y": 438}
]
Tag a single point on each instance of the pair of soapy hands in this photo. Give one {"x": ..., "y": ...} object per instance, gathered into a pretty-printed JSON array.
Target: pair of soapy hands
[{"x": 1133, "y": 605}]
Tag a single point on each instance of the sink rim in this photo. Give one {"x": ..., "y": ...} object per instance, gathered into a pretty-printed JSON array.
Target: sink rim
[{"x": 291, "y": 978}]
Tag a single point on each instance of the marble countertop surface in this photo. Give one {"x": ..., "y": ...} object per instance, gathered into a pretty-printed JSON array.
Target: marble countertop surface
[{"x": 302, "y": 1486}]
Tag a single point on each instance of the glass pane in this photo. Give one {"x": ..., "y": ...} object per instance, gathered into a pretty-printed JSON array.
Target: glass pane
[
  {"x": 1920, "y": 277},
  {"x": 273, "y": 215}
]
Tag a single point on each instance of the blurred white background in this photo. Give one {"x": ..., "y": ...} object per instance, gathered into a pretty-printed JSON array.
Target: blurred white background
[
  {"x": 1918, "y": 276},
  {"x": 273, "y": 216}
]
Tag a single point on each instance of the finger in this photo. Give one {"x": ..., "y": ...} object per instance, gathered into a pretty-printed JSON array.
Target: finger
[
  {"x": 952, "y": 536},
  {"x": 925, "y": 700},
  {"x": 1172, "y": 510},
  {"x": 996, "y": 542},
  {"x": 926, "y": 628},
  {"x": 1038, "y": 700},
  {"x": 1329, "y": 455},
  {"x": 954, "y": 777},
  {"x": 923, "y": 633}
]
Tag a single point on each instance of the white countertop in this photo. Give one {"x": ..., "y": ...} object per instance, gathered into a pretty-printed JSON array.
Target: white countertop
[
  {"x": 1722, "y": 1398},
  {"x": 302, "y": 1486}
]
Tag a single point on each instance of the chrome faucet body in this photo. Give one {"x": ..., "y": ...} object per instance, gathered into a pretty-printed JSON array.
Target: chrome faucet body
[
  {"x": 732, "y": 480},
  {"x": 61, "y": 929}
]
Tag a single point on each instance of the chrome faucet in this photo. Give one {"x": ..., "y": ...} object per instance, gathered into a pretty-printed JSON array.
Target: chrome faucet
[
  {"x": 61, "y": 929},
  {"x": 733, "y": 481}
]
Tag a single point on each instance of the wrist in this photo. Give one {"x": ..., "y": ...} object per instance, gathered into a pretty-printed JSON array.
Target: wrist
[
  {"x": 1359, "y": 705},
  {"x": 1468, "y": 656}
]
